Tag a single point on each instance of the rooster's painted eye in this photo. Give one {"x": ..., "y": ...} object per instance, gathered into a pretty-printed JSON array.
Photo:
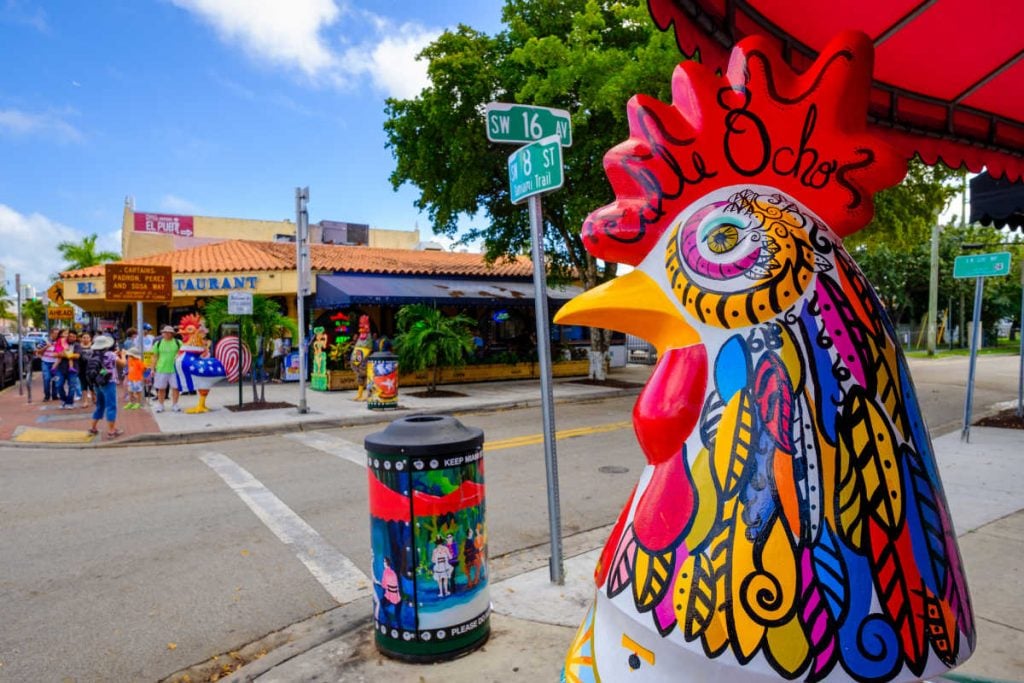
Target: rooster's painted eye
[{"x": 722, "y": 236}]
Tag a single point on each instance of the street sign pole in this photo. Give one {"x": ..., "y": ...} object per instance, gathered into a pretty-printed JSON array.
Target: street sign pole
[
  {"x": 1020, "y": 332},
  {"x": 140, "y": 336},
  {"x": 239, "y": 340},
  {"x": 540, "y": 308},
  {"x": 532, "y": 170},
  {"x": 979, "y": 286},
  {"x": 979, "y": 267},
  {"x": 301, "y": 264},
  {"x": 21, "y": 337}
]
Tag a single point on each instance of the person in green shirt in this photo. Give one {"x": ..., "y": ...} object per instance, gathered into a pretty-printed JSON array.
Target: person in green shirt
[{"x": 165, "y": 351}]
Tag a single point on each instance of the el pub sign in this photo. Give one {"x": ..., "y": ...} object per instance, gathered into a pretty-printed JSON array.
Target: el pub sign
[
  {"x": 125, "y": 282},
  {"x": 164, "y": 224}
]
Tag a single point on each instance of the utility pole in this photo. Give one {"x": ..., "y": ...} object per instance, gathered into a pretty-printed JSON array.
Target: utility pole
[
  {"x": 933, "y": 289},
  {"x": 302, "y": 267}
]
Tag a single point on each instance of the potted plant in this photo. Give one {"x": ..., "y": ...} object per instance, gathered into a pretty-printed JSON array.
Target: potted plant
[{"x": 428, "y": 339}]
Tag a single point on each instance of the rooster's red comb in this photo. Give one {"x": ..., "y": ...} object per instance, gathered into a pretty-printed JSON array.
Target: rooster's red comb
[{"x": 761, "y": 123}]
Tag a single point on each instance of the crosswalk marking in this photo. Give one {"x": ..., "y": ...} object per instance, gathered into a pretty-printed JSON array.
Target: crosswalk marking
[
  {"x": 335, "y": 572},
  {"x": 329, "y": 443}
]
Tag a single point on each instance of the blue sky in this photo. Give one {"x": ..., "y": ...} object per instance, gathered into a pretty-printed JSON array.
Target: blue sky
[{"x": 205, "y": 107}]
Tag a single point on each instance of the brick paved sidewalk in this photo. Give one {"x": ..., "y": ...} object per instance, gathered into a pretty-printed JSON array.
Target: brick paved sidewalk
[{"x": 50, "y": 424}]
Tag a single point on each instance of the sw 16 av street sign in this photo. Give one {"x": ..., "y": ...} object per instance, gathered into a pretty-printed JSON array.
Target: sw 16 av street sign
[
  {"x": 535, "y": 168},
  {"x": 982, "y": 265},
  {"x": 523, "y": 123}
]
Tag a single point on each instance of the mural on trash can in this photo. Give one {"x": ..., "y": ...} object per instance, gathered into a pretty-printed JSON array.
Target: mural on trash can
[
  {"x": 791, "y": 523},
  {"x": 429, "y": 541}
]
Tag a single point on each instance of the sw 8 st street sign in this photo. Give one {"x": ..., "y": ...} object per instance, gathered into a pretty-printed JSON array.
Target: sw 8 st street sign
[
  {"x": 520, "y": 123},
  {"x": 982, "y": 265},
  {"x": 535, "y": 168}
]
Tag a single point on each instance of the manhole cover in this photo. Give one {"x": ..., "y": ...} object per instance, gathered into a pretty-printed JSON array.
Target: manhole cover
[{"x": 613, "y": 469}]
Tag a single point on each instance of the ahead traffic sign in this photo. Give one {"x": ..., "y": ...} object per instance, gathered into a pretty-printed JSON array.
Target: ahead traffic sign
[
  {"x": 535, "y": 168},
  {"x": 982, "y": 265},
  {"x": 524, "y": 123}
]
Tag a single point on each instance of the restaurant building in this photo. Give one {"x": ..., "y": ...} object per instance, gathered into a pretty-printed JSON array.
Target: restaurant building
[{"x": 347, "y": 281}]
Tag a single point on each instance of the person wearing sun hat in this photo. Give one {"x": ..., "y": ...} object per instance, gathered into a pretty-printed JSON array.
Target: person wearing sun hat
[{"x": 104, "y": 371}]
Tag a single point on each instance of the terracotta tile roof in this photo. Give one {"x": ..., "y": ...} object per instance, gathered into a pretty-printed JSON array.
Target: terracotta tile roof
[{"x": 246, "y": 255}]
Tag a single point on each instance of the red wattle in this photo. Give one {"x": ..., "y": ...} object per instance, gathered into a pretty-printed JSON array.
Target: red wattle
[{"x": 669, "y": 406}]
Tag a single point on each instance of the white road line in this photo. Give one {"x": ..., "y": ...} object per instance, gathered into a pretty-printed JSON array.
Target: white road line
[
  {"x": 334, "y": 445},
  {"x": 335, "y": 572}
]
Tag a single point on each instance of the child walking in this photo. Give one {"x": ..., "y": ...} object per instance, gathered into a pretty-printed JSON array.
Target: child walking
[{"x": 136, "y": 372}]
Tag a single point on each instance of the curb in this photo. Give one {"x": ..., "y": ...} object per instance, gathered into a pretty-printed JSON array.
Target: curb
[{"x": 208, "y": 435}]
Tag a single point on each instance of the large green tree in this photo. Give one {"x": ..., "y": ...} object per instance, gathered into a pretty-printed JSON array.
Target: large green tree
[
  {"x": 83, "y": 254},
  {"x": 33, "y": 310},
  {"x": 586, "y": 56}
]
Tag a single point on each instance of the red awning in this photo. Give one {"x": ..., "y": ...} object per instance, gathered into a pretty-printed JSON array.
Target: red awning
[{"x": 949, "y": 74}]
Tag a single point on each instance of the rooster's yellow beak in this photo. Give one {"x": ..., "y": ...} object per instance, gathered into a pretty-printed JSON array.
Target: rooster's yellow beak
[{"x": 635, "y": 304}]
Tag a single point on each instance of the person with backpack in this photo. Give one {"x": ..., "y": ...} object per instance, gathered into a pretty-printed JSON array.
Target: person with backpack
[
  {"x": 101, "y": 369},
  {"x": 165, "y": 351}
]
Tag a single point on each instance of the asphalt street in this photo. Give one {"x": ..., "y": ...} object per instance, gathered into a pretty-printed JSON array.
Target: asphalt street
[{"x": 131, "y": 564}]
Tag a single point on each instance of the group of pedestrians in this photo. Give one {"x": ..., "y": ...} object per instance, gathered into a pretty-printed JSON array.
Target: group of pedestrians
[{"x": 89, "y": 370}]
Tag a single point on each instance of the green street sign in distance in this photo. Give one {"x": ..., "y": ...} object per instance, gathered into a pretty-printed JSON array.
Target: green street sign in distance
[
  {"x": 535, "y": 168},
  {"x": 522, "y": 123},
  {"x": 982, "y": 265}
]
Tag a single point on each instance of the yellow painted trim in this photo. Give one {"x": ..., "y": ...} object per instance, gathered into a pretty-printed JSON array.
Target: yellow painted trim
[
  {"x": 638, "y": 649},
  {"x": 531, "y": 439}
]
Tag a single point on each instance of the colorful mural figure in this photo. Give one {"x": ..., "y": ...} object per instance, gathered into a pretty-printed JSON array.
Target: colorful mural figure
[
  {"x": 318, "y": 374},
  {"x": 360, "y": 352},
  {"x": 197, "y": 369},
  {"x": 422, "y": 508},
  {"x": 791, "y": 523}
]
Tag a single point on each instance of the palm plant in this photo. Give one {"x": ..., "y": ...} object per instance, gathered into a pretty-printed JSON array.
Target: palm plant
[
  {"x": 427, "y": 338},
  {"x": 33, "y": 310},
  {"x": 255, "y": 329},
  {"x": 83, "y": 254}
]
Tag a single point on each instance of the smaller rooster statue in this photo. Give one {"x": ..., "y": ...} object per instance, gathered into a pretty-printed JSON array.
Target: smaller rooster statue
[{"x": 197, "y": 368}]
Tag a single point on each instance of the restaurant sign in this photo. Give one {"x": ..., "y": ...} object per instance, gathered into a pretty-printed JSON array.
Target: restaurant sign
[
  {"x": 164, "y": 224},
  {"x": 126, "y": 282}
]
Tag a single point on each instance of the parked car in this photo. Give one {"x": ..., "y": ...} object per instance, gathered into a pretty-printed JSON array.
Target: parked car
[
  {"x": 29, "y": 347},
  {"x": 8, "y": 362}
]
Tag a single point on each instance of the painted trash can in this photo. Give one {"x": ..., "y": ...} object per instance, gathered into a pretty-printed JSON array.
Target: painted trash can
[
  {"x": 428, "y": 536},
  {"x": 382, "y": 381}
]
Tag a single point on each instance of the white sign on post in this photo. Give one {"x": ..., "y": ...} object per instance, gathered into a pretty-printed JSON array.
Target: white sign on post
[{"x": 240, "y": 303}]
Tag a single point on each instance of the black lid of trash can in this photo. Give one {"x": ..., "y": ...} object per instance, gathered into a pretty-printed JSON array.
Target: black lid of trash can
[
  {"x": 425, "y": 435},
  {"x": 382, "y": 356}
]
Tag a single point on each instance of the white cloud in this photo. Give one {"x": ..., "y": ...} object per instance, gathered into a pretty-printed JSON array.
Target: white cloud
[
  {"x": 303, "y": 35},
  {"x": 391, "y": 63},
  {"x": 24, "y": 14},
  {"x": 174, "y": 204},
  {"x": 23, "y": 124},
  {"x": 30, "y": 245},
  {"x": 283, "y": 32}
]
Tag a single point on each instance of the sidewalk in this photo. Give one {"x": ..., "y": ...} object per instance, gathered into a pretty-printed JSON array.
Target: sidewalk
[
  {"x": 38, "y": 423},
  {"x": 44, "y": 423},
  {"x": 533, "y": 621}
]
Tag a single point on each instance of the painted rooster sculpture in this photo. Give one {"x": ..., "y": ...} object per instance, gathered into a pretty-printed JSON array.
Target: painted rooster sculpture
[
  {"x": 197, "y": 368},
  {"x": 790, "y": 523}
]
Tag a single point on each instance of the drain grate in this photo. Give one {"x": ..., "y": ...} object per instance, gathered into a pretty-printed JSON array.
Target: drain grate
[{"x": 613, "y": 469}]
